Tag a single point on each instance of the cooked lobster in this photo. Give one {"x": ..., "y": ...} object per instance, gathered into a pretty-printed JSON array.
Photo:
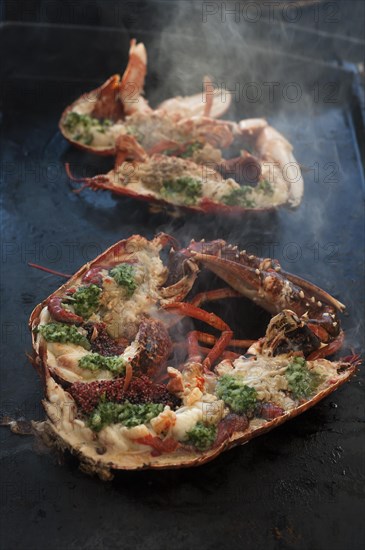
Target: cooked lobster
[
  {"x": 120, "y": 397},
  {"x": 180, "y": 154},
  {"x": 117, "y": 108}
]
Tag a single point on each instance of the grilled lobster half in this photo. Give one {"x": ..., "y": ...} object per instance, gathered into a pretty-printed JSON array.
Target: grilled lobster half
[
  {"x": 181, "y": 154},
  {"x": 118, "y": 108},
  {"x": 131, "y": 383}
]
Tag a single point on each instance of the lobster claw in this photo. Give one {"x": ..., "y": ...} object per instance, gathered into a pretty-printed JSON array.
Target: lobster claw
[
  {"x": 308, "y": 316},
  {"x": 242, "y": 272}
]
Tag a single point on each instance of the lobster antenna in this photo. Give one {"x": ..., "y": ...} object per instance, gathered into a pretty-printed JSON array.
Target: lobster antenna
[{"x": 48, "y": 270}]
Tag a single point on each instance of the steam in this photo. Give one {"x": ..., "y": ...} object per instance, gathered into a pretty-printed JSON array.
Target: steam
[{"x": 299, "y": 97}]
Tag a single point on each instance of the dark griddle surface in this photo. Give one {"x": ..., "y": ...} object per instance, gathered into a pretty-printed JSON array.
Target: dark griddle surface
[{"x": 302, "y": 485}]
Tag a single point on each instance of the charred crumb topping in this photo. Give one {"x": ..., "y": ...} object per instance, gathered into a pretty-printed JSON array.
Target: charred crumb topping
[
  {"x": 141, "y": 390},
  {"x": 154, "y": 345},
  {"x": 102, "y": 343}
]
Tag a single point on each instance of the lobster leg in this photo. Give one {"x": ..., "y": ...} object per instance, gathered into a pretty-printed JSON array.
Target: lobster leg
[
  {"x": 211, "y": 319},
  {"x": 209, "y": 339},
  {"x": 194, "y": 350},
  {"x": 227, "y": 354},
  {"x": 211, "y": 295},
  {"x": 208, "y": 296},
  {"x": 263, "y": 281},
  {"x": 128, "y": 149},
  {"x": 189, "y": 310},
  {"x": 217, "y": 349}
]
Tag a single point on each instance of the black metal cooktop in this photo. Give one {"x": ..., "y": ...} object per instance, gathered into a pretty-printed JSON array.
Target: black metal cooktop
[{"x": 300, "y": 486}]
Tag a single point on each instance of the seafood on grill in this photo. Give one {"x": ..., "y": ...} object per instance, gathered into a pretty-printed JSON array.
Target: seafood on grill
[
  {"x": 215, "y": 168},
  {"x": 265, "y": 180},
  {"x": 117, "y": 108},
  {"x": 119, "y": 397},
  {"x": 109, "y": 309}
]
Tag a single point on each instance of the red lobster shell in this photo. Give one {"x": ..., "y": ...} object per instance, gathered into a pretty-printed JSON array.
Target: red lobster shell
[{"x": 116, "y": 447}]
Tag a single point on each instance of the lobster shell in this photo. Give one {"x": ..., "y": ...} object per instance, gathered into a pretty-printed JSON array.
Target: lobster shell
[
  {"x": 104, "y": 461},
  {"x": 91, "y": 462},
  {"x": 105, "y": 152},
  {"x": 206, "y": 206},
  {"x": 113, "y": 255}
]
